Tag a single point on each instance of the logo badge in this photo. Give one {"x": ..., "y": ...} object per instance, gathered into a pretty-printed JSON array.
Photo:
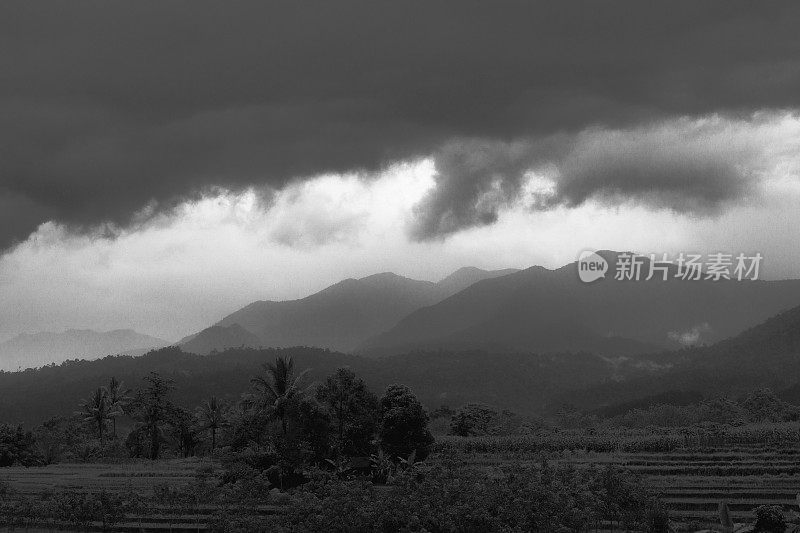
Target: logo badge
[{"x": 591, "y": 266}]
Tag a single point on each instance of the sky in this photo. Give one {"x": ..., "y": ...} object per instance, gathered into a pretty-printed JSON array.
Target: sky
[{"x": 162, "y": 164}]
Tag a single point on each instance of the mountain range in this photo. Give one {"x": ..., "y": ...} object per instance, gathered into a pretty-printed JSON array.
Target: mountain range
[
  {"x": 339, "y": 317},
  {"x": 542, "y": 310},
  {"x": 31, "y": 350},
  {"x": 767, "y": 355},
  {"x": 532, "y": 310},
  {"x": 536, "y": 310}
]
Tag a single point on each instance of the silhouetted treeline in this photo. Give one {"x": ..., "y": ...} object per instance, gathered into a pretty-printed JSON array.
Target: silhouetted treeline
[{"x": 521, "y": 382}]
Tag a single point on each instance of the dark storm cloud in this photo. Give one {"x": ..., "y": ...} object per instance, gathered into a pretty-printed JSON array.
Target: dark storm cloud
[
  {"x": 475, "y": 179},
  {"x": 674, "y": 166},
  {"x": 109, "y": 106},
  {"x": 693, "y": 166}
]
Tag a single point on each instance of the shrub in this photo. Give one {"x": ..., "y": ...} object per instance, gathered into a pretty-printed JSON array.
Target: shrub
[
  {"x": 769, "y": 519},
  {"x": 18, "y": 447},
  {"x": 543, "y": 499},
  {"x": 476, "y": 419}
]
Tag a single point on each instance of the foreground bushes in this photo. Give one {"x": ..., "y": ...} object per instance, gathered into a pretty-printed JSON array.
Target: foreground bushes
[
  {"x": 68, "y": 508},
  {"x": 444, "y": 499},
  {"x": 18, "y": 447}
]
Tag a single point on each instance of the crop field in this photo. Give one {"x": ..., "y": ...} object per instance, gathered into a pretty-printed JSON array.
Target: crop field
[
  {"x": 145, "y": 481},
  {"x": 136, "y": 477},
  {"x": 691, "y": 477},
  {"x": 693, "y": 483}
]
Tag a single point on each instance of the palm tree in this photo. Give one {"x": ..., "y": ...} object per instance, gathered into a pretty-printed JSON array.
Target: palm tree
[
  {"x": 212, "y": 416},
  {"x": 278, "y": 387},
  {"x": 118, "y": 399},
  {"x": 96, "y": 409}
]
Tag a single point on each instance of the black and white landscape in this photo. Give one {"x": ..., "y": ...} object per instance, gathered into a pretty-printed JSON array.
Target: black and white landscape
[{"x": 400, "y": 266}]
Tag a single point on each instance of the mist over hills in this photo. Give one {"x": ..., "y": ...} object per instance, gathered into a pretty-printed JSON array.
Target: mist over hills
[
  {"x": 339, "y": 317},
  {"x": 766, "y": 355},
  {"x": 31, "y": 350}
]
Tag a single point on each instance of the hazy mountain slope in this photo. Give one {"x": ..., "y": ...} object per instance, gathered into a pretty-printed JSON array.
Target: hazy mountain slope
[
  {"x": 466, "y": 276},
  {"x": 552, "y": 310},
  {"x": 219, "y": 338},
  {"x": 338, "y": 317},
  {"x": 32, "y": 350},
  {"x": 767, "y": 355},
  {"x": 343, "y": 315},
  {"x": 521, "y": 382}
]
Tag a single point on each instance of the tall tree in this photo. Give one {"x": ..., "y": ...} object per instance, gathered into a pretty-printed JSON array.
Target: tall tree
[
  {"x": 403, "y": 424},
  {"x": 278, "y": 387},
  {"x": 183, "y": 429},
  {"x": 96, "y": 410},
  {"x": 212, "y": 417},
  {"x": 151, "y": 408},
  {"x": 118, "y": 399},
  {"x": 353, "y": 408}
]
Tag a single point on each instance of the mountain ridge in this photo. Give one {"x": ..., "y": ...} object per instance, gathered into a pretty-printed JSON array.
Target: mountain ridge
[
  {"x": 541, "y": 310},
  {"x": 35, "y": 349},
  {"x": 338, "y": 317},
  {"x": 764, "y": 355}
]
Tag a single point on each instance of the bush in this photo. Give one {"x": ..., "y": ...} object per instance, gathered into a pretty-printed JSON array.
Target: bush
[
  {"x": 472, "y": 420},
  {"x": 476, "y": 419},
  {"x": 769, "y": 519},
  {"x": 442, "y": 499},
  {"x": 18, "y": 447}
]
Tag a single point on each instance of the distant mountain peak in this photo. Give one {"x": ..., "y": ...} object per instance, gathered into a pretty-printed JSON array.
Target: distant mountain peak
[
  {"x": 340, "y": 316},
  {"x": 471, "y": 271},
  {"x": 464, "y": 270},
  {"x": 466, "y": 276},
  {"x": 28, "y": 350},
  {"x": 382, "y": 276},
  {"x": 390, "y": 280}
]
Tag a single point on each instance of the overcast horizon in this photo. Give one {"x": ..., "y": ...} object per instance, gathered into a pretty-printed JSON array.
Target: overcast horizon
[{"x": 162, "y": 165}]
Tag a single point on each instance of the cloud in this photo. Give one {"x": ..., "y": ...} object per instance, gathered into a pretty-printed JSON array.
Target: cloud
[
  {"x": 696, "y": 166},
  {"x": 693, "y": 166},
  {"x": 690, "y": 337},
  {"x": 175, "y": 273},
  {"x": 474, "y": 181},
  {"x": 110, "y": 107}
]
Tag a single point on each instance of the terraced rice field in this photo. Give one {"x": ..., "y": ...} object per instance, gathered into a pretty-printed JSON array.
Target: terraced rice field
[
  {"x": 139, "y": 478},
  {"x": 693, "y": 482}
]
